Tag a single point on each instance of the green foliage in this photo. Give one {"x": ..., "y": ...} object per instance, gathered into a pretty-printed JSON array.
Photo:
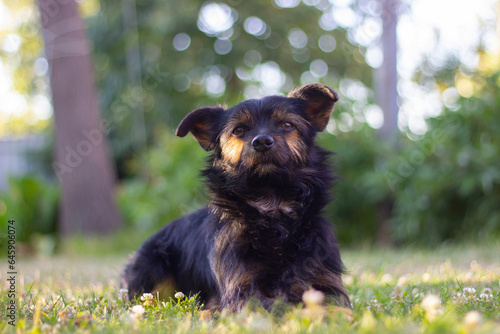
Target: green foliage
[
  {"x": 172, "y": 187},
  {"x": 32, "y": 203},
  {"x": 447, "y": 184},
  {"x": 360, "y": 186}
]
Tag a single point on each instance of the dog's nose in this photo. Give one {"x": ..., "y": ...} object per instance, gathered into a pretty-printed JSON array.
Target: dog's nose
[{"x": 262, "y": 143}]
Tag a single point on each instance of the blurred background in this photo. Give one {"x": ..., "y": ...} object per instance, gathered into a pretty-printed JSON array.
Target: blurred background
[{"x": 91, "y": 93}]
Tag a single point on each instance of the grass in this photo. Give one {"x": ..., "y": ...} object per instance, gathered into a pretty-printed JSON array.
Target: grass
[{"x": 451, "y": 289}]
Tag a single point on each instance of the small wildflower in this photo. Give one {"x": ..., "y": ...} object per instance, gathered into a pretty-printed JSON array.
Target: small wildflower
[
  {"x": 469, "y": 291},
  {"x": 137, "y": 311},
  {"x": 260, "y": 324},
  {"x": 313, "y": 298},
  {"x": 403, "y": 280},
  {"x": 179, "y": 295},
  {"x": 485, "y": 296},
  {"x": 375, "y": 305},
  {"x": 386, "y": 278},
  {"x": 397, "y": 295},
  {"x": 147, "y": 298},
  {"x": 471, "y": 320},
  {"x": 487, "y": 291},
  {"x": 123, "y": 295},
  {"x": 469, "y": 276},
  {"x": 431, "y": 304},
  {"x": 348, "y": 280}
]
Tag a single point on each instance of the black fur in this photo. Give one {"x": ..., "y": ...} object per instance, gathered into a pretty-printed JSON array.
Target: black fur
[{"x": 262, "y": 235}]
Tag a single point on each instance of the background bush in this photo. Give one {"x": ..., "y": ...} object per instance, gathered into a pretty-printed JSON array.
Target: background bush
[
  {"x": 447, "y": 184},
  {"x": 32, "y": 202},
  {"x": 170, "y": 185}
]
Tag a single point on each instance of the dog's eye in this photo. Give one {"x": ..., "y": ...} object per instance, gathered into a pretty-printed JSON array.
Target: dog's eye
[
  {"x": 287, "y": 126},
  {"x": 239, "y": 131}
]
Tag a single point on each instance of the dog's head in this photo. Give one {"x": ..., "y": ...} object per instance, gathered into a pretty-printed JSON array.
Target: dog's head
[{"x": 263, "y": 135}]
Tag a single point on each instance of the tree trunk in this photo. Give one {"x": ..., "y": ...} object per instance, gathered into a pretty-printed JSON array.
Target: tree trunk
[
  {"x": 387, "y": 97},
  {"x": 82, "y": 164},
  {"x": 387, "y": 75}
]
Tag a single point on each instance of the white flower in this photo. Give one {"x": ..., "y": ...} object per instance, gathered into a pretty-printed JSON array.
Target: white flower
[
  {"x": 313, "y": 297},
  {"x": 137, "y": 310},
  {"x": 471, "y": 320},
  {"x": 431, "y": 304},
  {"x": 470, "y": 291},
  {"x": 179, "y": 295},
  {"x": 123, "y": 295},
  {"x": 146, "y": 296},
  {"x": 486, "y": 296},
  {"x": 148, "y": 299},
  {"x": 487, "y": 291}
]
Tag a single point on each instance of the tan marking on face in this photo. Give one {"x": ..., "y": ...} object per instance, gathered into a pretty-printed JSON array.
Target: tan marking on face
[
  {"x": 296, "y": 145},
  {"x": 231, "y": 149}
]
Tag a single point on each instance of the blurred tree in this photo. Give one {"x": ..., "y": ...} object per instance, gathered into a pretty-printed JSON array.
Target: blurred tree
[
  {"x": 387, "y": 75},
  {"x": 82, "y": 163},
  {"x": 386, "y": 89}
]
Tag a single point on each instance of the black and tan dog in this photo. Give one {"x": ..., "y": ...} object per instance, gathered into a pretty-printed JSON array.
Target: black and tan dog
[{"x": 262, "y": 236}]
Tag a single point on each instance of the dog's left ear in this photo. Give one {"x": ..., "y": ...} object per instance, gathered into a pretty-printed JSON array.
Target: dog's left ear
[
  {"x": 320, "y": 101},
  {"x": 201, "y": 122}
]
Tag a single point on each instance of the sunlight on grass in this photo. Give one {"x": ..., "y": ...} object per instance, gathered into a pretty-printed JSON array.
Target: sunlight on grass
[{"x": 452, "y": 289}]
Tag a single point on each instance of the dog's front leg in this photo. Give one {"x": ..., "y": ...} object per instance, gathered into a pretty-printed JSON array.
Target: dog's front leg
[
  {"x": 148, "y": 270},
  {"x": 236, "y": 299}
]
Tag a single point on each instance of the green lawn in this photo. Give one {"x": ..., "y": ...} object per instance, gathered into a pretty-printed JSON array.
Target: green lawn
[{"x": 453, "y": 289}]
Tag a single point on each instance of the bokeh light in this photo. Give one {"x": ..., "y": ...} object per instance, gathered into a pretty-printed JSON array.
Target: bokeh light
[
  {"x": 181, "y": 41},
  {"x": 216, "y": 18}
]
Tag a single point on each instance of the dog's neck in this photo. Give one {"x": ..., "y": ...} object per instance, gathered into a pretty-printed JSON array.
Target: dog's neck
[{"x": 291, "y": 195}]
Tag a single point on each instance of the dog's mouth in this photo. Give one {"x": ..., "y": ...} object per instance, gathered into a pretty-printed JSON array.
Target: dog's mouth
[
  {"x": 264, "y": 163},
  {"x": 265, "y": 169}
]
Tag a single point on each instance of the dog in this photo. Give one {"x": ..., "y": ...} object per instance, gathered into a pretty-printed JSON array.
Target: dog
[{"x": 262, "y": 236}]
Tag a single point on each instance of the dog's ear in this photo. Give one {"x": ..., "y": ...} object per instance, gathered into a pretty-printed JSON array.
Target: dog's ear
[
  {"x": 201, "y": 123},
  {"x": 320, "y": 100}
]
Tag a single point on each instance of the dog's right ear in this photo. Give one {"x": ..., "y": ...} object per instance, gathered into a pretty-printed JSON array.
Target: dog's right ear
[
  {"x": 201, "y": 123},
  {"x": 320, "y": 100}
]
